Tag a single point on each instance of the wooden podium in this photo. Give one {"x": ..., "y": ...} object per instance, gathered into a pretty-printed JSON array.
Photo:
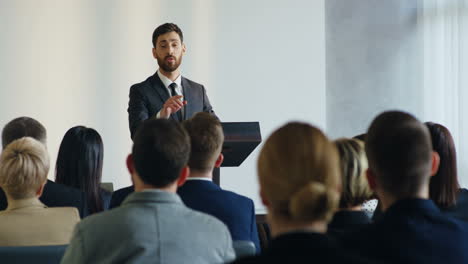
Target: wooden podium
[{"x": 240, "y": 139}]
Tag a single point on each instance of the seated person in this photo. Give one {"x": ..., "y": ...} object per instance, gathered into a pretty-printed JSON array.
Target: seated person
[
  {"x": 411, "y": 229},
  {"x": 79, "y": 165},
  {"x": 153, "y": 225},
  {"x": 444, "y": 188},
  {"x": 24, "y": 165},
  {"x": 355, "y": 190},
  {"x": 201, "y": 194},
  {"x": 299, "y": 177},
  {"x": 54, "y": 194}
]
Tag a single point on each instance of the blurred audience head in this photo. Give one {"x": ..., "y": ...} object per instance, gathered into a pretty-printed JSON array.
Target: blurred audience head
[
  {"x": 361, "y": 137},
  {"x": 24, "y": 165},
  {"x": 299, "y": 174},
  {"x": 206, "y": 139},
  {"x": 160, "y": 153},
  {"x": 353, "y": 164},
  {"x": 23, "y": 127},
  {"x": 444, "y": 186},
  {"x": 399, "y": 151},
  {"x": 79, "y": 163}
]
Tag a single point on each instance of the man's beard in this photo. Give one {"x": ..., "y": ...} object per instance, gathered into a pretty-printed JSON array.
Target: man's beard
[{"x": 169, "y": 67}]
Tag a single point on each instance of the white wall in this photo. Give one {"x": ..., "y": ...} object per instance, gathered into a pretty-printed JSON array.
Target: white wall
[
  {"x": 70, "y": 63},
  {"x": 374, "y": 55}
]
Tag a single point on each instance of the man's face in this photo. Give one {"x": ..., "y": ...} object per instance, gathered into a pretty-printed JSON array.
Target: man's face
[{"x": 169, "y": 51}]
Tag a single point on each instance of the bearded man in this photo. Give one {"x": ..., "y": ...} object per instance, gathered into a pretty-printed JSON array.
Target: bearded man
[{"x": 166, "y": 94}]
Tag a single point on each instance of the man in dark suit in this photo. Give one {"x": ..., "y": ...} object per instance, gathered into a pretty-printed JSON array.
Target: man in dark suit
[
  {"x": 166, "y": 94},
  {"x": 412, "y": 229},
  {"x": 54, "y": 194},
  {"x": 201, "y": 194}
]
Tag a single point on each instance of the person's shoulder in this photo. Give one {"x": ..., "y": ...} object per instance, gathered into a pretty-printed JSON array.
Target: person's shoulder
[
  {"x": 123, "y": 191},
  {"x": 191, "y": 83},
  {"x": 70, "y": 213},
  {"x": 203, "y": 219},
  {"x": 240, "y": 199},
  {"x": 102, "y": 219},
  {"x": 52, "y": 186},
  {"x": 146, "y": 83}
]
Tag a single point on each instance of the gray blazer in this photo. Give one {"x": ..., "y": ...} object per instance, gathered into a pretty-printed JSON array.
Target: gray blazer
[
  {"x": 150, "y": 227},
  {"x": 148, "y": 97}
]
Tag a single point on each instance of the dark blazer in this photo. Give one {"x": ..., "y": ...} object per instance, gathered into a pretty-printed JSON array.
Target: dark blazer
[
  {"x": 460, "y": 210},
  {"x": 57, "y": 195},
  {"x": 119, "y": 196},
  {"x": 345, "y": 221},
  {"x": 412, "y": 231},
  {"x": 234, "y": 210},
  {"x": 303, "y": 247},
  {"x": 147, "y": 99}
]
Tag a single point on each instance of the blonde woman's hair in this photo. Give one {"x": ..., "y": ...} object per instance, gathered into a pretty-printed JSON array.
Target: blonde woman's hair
[
  {"x": 298, "y": 172},
  {"x": 353, "y": 163},
  {"x": 24, "y": 165}
]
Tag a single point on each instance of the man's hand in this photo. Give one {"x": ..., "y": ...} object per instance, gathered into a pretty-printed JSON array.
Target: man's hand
[{"x": 172, "y": 105}]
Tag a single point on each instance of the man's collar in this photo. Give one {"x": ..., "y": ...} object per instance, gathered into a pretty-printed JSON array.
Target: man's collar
[
  {"x": 166, "y": 81},
  {"x": 199, "y": 178}
]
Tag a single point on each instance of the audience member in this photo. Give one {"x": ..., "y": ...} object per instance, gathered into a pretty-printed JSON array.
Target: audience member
[
  {"x": 299, "y": 177},
  {"x": 444, "y": 189},
  {"x": 201, "y": 194},
  {"x": 24, "y": 165},
  {"x": 54, "y": 194},
  {"x": 355, "y": 190},
  {"x": 153, "y": 225},
  {"x": 79, "y": 165},
  {"x": 412, "y": 229}
]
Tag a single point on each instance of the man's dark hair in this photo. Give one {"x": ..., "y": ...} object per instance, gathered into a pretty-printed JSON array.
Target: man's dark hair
[
  {"x": 23, "y": 127},
  {"x": 161, "y": 148},
  {"x": 166, "y": 28},
  {"x": 206, "y": 139},
  {"x": 399, "y": 151}
]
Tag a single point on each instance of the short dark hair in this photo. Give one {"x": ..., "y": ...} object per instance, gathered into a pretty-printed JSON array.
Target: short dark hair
[
  {"x": 206, "y": 139},
  {"x": 79, "y": 164},
  {"x": 444, "y": 186},
  {"x": 166, "y": 28},
  {"x": 161, "y": 148},
  {"x": 399, "y": 150},
  {"x": 23, "y": 127}
]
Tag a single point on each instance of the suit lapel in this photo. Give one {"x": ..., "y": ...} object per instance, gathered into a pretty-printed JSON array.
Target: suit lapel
[{"x": 158, "y": 85}]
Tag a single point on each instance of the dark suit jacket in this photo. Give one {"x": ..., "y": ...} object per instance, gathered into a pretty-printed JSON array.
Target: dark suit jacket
[
  {"x": 304, "y": 247},
  {"x": 413, "y": 231},
  {"x": 57, "y": 195},
  {"x": 345, "y": 221},
  {"x": 119, "y": 196},
  {"x": 147, "y": 99},
  {"x": 460, "y": 210},
  {"x": 234, "y": 210}
]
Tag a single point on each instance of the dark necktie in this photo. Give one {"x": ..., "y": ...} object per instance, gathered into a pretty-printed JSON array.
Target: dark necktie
[{"x": 173, "y": 87}]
